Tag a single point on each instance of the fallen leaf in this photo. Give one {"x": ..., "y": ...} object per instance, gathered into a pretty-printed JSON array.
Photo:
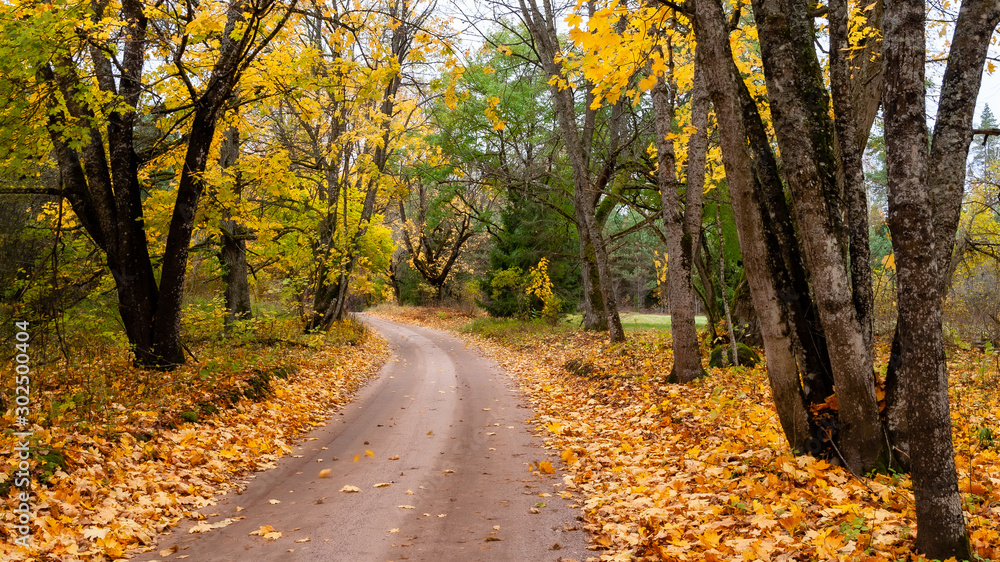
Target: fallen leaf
[
  {"x": 350, "y": 489},
  {"x": 263, "y": 530},
  {"x": 325, "y": 473}
]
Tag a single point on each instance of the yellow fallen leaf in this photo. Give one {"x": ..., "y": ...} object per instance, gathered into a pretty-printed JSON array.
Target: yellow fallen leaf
[
  {"x": 710, "y": 538},
  {"x": 569, "y": 456},
  {"x": 546, "y": 467},
  {"x": 393, "y": 530},
  {"x": 382, "y": 485},
  {"x": 307, "y": 539},
  {"x": 272, "y": 536},
  {"x": 264, "y": 529},
  {"x": 405, "y": 507},
  {"x": 168, "y": 551},
  {"x": 325, "y": 473},
  {"x": 369, "y": 453},
  {"x": 350, "y": 489},
  {"x": 357, "y": 458}
]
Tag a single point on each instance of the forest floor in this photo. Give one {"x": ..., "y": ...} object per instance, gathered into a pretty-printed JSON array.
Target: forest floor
[
  {"x": 702, "y": 471},
  {"x": 123, "y": 454}
]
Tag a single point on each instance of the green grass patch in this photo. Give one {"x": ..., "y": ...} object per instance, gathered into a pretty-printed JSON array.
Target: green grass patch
[
  {"x": 511, "y": 331},
  {"x": 639, "y": 321}
]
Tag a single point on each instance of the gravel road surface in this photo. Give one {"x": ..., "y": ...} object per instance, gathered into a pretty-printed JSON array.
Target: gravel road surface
[{"x": 446, "y": 430}]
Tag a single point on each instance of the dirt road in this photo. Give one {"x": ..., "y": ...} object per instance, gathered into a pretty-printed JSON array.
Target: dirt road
[{"x": 445, "y": 429}]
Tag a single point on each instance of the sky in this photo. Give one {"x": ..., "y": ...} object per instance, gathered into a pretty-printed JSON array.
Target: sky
[{"x": 989, "y": 93}]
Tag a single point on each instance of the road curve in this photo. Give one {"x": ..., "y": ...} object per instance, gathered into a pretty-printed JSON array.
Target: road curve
[{"x": 456, "y": 423}]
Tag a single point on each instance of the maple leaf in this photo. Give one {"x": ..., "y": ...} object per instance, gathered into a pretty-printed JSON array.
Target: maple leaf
[
  {"x": 263, "y": 530},
  {"x": 93, "y": 533}
]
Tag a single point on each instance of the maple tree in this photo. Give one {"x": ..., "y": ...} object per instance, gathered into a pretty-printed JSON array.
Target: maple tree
[
  {"x": 85, "y": 68},
  {"x": 341, "y": 125},
  {"x": 600, "y": 300},
  {"x": 805, "y": 133},
  {"x": 437, "y": 226}
]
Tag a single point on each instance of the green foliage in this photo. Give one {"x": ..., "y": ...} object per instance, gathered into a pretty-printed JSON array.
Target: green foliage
[
  {"x": 853, "y": 528},
  {"x": 528, "y": 232},
  {"x": 986, "y": 437},
  {"x": 721, "y": 356}
]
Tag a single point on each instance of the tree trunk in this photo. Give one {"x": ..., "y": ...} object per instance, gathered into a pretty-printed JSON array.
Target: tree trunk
[
  {"x": 722, "y": 283},
  {"x": 682, "y": 227},
  {"x": 849, "y": 128},
  {"x": 594, "y": 319},
  {"x": 759, "y": 258},
  {"x": 805, "y": 135},
  {"x": 708, "y": 295},
  {"x": 233, "y": 254},
  {"x": 744, "y": 315},
  {"x": 925, "y": 196},
  {"x": 543, "y": 32},
  {"x": 940, "y": 523}
]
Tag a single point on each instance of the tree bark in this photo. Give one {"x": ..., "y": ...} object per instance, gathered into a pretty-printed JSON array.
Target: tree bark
[
  {"x": 682, "y": 225},
  {"x": 233, "y": 254},
  {"x": 760, "y": 260},
  {"x": 851, "y": 140},
  {"x": 805, "y": 135},
  {"x": 925, "y": 196}
]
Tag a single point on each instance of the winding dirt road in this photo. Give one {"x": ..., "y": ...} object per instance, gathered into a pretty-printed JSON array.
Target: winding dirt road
[{"x": 445, "y": 428}]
